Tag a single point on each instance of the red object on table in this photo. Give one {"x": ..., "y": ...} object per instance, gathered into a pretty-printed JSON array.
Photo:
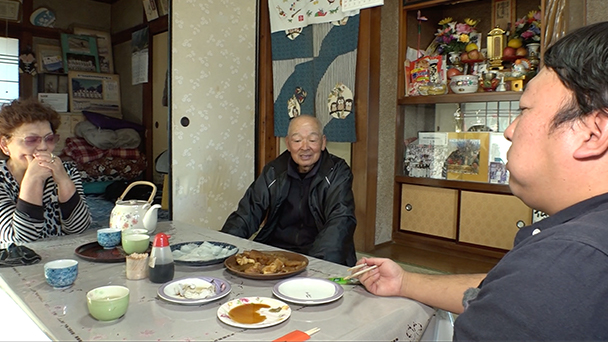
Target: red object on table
[{"x": 297, "y": 336}]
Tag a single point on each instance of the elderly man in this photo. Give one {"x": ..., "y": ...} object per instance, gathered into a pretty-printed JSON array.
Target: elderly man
[
  {"x": 552, "y": 285},
  {"x": 305, "y": 197}
]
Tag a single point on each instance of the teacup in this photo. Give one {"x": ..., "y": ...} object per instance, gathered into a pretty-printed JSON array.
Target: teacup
[
  {"x": 61, "y": 273},
  {"x": 108, "y": 238},
  {"x": 135, "y": 240},
  {"x": 107, "y": 303}
]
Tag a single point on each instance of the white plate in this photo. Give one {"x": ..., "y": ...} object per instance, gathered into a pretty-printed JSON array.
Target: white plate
[
  {"x": 280, "y": 312},
  {"x": 308, "y": 291},
  {"x": 169, "y": 290}
]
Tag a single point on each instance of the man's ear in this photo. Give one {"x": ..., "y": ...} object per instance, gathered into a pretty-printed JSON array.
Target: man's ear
[
  {"x": 595, "y": 141},
  {"x": 324, "y": 144}
]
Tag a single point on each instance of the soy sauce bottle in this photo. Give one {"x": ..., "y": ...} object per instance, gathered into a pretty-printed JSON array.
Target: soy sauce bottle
[{"x": 161, "y": 268}]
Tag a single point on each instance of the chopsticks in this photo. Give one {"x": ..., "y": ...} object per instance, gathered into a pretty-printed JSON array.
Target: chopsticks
[
  {"x": 312, "y": 331},
  {"x": 360, "y": 272}
]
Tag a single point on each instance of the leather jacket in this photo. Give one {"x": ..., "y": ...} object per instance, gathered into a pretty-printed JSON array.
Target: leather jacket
[{"x": 331, "y": 202}]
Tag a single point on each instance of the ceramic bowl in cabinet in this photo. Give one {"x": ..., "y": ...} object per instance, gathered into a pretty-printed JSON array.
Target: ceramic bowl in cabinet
[{"x": 464, "y": 84}]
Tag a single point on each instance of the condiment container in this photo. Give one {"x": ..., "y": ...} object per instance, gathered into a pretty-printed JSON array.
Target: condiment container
[
  {"x": 137, "y": 266},
  {"x": 161, "y": 268}
]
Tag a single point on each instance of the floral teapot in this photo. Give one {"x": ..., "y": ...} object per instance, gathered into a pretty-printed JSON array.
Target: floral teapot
[{"x": 135, "y": 213}]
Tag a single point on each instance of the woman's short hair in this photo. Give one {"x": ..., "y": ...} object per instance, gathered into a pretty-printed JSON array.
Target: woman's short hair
[{"x": 24, "y": 111}]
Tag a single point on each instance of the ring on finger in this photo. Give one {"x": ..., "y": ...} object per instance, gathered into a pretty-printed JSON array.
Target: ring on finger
[{"x": 52, "y": 158}]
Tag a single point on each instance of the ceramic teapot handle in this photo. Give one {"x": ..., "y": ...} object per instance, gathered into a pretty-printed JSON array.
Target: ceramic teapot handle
[{"x": 139, "y": 183}]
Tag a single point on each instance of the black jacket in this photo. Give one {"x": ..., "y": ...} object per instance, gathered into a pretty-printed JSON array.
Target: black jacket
[{"x": 331, "y": 202}]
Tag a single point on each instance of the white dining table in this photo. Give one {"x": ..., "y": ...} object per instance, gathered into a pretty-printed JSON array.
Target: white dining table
[{"x": 62, "y": 313}]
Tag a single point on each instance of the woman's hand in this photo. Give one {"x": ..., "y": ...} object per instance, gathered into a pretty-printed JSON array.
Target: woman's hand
[
  {"x": 64, "y": 183},
  {"x": 386, "y": 280}
]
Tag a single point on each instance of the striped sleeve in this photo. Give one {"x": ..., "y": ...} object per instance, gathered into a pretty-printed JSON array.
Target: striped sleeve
[
  {"x": 78, "y": 219},
  {"x": 15, "y": 225}
]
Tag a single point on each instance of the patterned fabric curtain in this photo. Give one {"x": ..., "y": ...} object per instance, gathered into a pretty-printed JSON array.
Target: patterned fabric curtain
[{"x": 314, "y": 73}]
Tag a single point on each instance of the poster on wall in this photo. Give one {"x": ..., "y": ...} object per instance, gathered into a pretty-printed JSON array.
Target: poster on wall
[
  {"x": 94, "y": 92},
  {"x": 79, "y": 53},
  {"x": 139, "y": 56}
]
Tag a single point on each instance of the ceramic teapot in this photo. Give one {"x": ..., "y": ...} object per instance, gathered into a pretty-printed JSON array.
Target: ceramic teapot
[{"x": 139, "y": 214}]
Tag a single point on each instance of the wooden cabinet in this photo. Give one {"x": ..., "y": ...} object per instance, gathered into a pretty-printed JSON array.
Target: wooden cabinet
[
  {"x": 462, "y": 214},
  {"x": 471, "y": 217},
  {"x": 491, "y": 220},
  {"x": 429, "y": 210}
]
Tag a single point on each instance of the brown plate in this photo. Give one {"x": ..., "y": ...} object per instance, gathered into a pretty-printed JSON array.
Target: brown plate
[
  {"x": 235, "y": 268},
  {"x": 94, "y": 252}
]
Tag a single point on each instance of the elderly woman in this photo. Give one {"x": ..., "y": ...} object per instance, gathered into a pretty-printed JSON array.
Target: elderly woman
[{"x": 40, "y": 196}]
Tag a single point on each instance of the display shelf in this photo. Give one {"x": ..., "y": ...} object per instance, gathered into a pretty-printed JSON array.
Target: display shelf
[
  {"x": 455, "y": 184},
  {"x": 461, "y": 98},
  {"x": 419, "y": 114}
]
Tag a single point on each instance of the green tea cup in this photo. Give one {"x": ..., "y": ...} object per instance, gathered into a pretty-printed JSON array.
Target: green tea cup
[{"x": 135, "y": 241}]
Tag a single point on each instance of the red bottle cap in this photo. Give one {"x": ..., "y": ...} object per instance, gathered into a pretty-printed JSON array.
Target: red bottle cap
[{"x": 161, "y": 240}]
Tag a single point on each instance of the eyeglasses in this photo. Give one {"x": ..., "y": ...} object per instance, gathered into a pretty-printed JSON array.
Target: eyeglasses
[{"x": 35, "y": 140}]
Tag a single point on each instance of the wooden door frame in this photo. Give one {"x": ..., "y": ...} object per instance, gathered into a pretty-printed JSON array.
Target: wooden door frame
[{"x": 364, "y": 152}]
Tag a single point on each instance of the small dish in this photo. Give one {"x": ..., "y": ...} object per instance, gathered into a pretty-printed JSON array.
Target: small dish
[
  {"x": 308, "y": 291},
  {"x": 170, "y": 290},
  {"x": 207, "y": 261},
  {"x": 276, "y": 312}
]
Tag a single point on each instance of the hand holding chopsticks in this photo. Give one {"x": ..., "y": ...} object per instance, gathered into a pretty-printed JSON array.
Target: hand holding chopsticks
[{"x": 360, "y": 272}]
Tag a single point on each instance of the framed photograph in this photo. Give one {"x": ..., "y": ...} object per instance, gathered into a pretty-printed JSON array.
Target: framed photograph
[
  {"x": 104, "y": 48},
  {"x": 150, "y": 9},
  {"x": 79, "y": 53},
  {"x": 10, "y": 10},
  {"x": 467, "y": 157},
  {"x": 50, "y": 60},
  {"x": 94, "y": 92},
  {"x": 163, "y": 7},
  {"x": 52, "y": 83},
  {"x": 503, "y": 13}
]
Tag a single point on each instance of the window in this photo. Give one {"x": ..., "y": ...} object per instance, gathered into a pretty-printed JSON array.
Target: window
[{"x": 9, "y": 69}]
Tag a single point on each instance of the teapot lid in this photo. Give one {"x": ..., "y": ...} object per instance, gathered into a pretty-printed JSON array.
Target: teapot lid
[{"x": 161, "y": 240}]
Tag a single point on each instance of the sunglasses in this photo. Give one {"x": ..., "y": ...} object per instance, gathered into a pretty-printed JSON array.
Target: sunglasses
[{"x": 35, "y": 140}]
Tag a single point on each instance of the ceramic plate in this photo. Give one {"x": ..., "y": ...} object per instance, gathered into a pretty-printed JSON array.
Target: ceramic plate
[
  {"x": 308, "y": 291},
  {"x": 237, "y": 269},
  {"x": 207, "y": 261},
  {"x": 170, "y": 290},
  {"x": 276, "y": 313}
]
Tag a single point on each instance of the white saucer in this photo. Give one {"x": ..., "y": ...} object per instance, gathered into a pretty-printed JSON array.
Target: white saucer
[{"x": 308, "y": 291}]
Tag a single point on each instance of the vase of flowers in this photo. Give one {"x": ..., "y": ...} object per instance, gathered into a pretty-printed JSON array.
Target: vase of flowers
[
  {"x": 527, "y": 29},
  {"x": 454, "y": 37}
]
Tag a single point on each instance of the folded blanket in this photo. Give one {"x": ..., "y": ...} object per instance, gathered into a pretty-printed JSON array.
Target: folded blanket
[
  {"x": 18, "y": 255},
  {"x": 82, "y": 152},
  {"x": 106, "y": 138}
]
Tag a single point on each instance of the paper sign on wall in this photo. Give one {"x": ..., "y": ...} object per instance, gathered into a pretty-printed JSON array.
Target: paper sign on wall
[{"x": 351, "y": 5}]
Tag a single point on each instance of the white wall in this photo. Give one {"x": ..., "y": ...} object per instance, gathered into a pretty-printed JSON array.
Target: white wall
[{"x": 213, "y": 85}]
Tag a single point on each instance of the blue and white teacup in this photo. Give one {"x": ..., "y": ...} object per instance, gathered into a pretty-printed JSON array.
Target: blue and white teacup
[
  {"x": 108, "y": 238},
  {"x": 61, "y": 273}
]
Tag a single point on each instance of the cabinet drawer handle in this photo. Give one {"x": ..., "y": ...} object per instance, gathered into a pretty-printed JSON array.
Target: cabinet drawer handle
[
  {"x": 520, "y": 224},
  {"x": 408, "y": 207}
]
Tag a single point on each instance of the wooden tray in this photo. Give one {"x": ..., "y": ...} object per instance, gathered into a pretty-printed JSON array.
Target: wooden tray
[{"x": 94, "y": 252}]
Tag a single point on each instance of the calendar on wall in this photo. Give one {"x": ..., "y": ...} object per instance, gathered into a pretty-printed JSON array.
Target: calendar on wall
[{"x": 351, "y": 5}]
